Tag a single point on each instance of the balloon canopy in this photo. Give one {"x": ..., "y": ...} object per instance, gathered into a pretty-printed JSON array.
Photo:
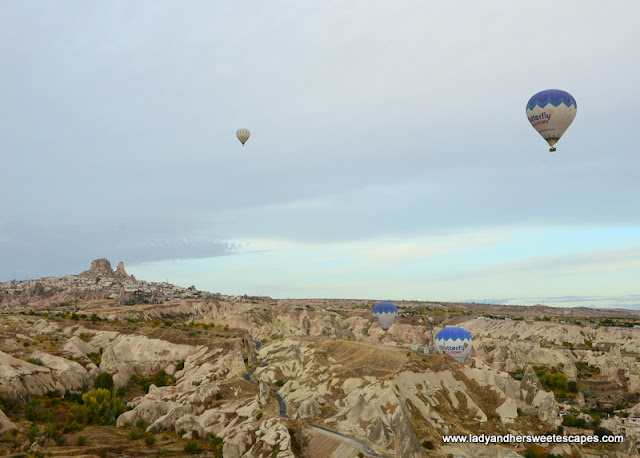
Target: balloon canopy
[
  {"x": 551, "y": 112},
  {"x": 455, "y": 342},
  {"x": 385, "y": 313},
  {"x": 243, "y": 135}
]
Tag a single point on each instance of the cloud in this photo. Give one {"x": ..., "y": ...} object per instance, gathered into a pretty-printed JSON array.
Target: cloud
[
  {"x": 374, "y": 125},
  {"x": 54, "y": 250}
]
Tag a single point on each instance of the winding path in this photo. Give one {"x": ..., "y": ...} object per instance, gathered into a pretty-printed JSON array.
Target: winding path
[{"x": 366, "y": 448}]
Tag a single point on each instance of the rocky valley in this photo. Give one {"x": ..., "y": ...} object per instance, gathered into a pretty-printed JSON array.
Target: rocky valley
[{"x": 103, "y": 364}]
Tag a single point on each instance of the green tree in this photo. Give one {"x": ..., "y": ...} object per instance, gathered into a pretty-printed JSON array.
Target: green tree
[
  {"x": 104, "y": 380},
  {"x": 102, "y": 406}
]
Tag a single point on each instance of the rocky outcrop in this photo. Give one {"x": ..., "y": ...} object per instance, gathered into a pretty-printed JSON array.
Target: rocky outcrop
[
  {"x": 121, "y": 273},
  {"x": 308, "y": 409},
  {"x": 20, "y": 378},
  {"x": 529, "y": 386},
  {"x": 546, "y": 406},
  {"x": 5, "y": 423},
  {"x": 126, "y": 355},
  {"x": 265, "y": 393},
  {"x": 508, "y": 410},
  {"x": 101, "y": 268}
]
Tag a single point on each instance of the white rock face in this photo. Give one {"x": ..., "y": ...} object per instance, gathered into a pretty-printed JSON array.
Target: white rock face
[
  {"x": 148, "y": 410},
  {"x": 78, "y": 347},
  {"x": 19, "y": 378},
  {"x": 547, "y": 406},
  {"x": 133, "y": 354},
  {"x": 265, "y": 393},
  {"x": 308, "y": 409},
  {"x": 5, "y": 423},
  {"x": 70, "y": 374},
  {"x": 276, "y": 435},
  {"x": 508, "y": 410}
]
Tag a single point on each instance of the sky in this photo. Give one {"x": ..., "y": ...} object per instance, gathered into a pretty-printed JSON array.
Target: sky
[{"x": 390, "y": 155}]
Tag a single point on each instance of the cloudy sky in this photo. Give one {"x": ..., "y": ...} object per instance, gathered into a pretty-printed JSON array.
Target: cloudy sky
[{"x": 390, "y": 155}]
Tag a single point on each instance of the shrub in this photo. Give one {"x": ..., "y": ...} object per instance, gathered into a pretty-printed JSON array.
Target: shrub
[
  {"x": 32, "y": 432},
  {"x": 37, "y": 361},
  {"x": 104, "y": 380},
  {"x": 601, "y": 431},
  {"x": 191, "y": 447},
  {"x": 150, "y": 440},
  {"x": 82, "y": 441},
  {"x": 136, "y": 434},
  {"x": 216, "y": 443},
  {"x": 80, "y": 415},
  {"x": 158, "y": 379},
  {"x": 55, "y": 432},
  {"x": 36, "y": 411},
  {"x": 95, "y": 358},
  {"x": 279, "y": 382},
  {"x": 103, "y": 408},
  {"x": 572, "y": 420},
  {"x": 85, "y": 336},
  {"x": 259, "y": 416},
  {"x": 586, "y": 392}
]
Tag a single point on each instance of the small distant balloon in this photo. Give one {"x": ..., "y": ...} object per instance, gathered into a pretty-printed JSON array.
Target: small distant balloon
[
  {"x": 551, "y": 112},
  {"x": 455, "y": 342},
  {"x": 385, "y": 313},
  {"x": 243, "y": 135}
]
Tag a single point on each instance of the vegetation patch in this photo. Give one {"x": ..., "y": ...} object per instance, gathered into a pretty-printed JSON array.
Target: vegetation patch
[{"x": 158, "y": 379}]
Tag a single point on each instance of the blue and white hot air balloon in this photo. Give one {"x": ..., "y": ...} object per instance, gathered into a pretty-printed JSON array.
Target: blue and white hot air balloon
[
  {"x": 551, "y": 112},
  {"x": 455, "y": 342},
  {"x": 385, "y": 314}
]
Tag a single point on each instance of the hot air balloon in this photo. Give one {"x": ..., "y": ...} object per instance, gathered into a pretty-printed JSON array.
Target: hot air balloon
[
  {"x": 551, "y": 112},
  {"x": 385, "y": 314},
  {"x": 243, "y": 135},
  {"x": 455, "y": 342}
]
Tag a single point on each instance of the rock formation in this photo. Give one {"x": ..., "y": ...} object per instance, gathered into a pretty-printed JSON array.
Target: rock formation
[
  {"x": 101, "y": 268},
  {"x": 5, "y": 423},
  {"x": 529, "y": 385},
  {"x": 121, "y": 273}
]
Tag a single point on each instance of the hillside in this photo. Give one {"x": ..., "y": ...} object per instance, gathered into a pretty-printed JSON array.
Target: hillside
[{"x": 203, "y": 373}]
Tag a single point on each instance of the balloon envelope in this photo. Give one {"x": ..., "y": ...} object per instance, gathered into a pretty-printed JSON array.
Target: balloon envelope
[
  {"x": 455, "y": 342},
  {"x": 551, "y": 112},
  {"x": 243, "y": 135},
  {"x": 385, "y": 314}
]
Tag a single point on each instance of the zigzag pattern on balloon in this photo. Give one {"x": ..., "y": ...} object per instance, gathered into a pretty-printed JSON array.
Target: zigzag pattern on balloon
[
  {"x": 555, "y": 97},
  {"x": 556, "y": 103},
  {"x": 453, "y": 333}
]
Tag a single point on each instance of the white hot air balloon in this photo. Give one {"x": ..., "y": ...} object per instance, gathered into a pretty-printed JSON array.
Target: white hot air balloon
[
  {"x": 243, "y": 135},
  {"x": 385, "y": 313},
  {"x": 455, "y": 342},
  {"x": 551, "y": 112}
]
